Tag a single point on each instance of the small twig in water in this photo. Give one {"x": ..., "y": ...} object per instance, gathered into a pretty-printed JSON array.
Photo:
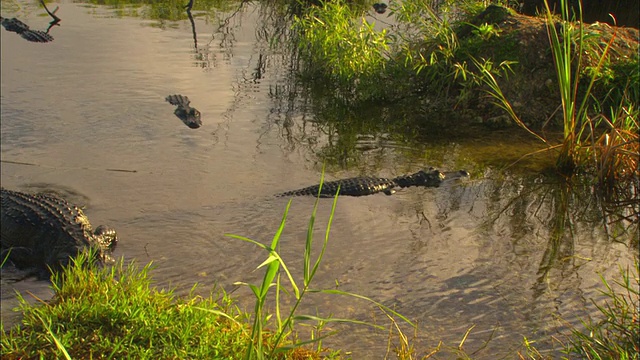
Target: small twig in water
[
  {"x": 56, "y": 19},
  {"x": 60, "y": 167}
]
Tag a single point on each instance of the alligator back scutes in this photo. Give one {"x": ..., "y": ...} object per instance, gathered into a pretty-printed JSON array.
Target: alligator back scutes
[
  {"x": 18, "y": 27},
  {"x": 14, "y": 25},
  {"x": 45, "y": 208},
  {"x": 357, "y": 186},
  {"x": 361, "y": 186},
  {"x": 178, "y": 100},
  {"x": 44, "y": 230},
  {"x": 36, "y": 36}
]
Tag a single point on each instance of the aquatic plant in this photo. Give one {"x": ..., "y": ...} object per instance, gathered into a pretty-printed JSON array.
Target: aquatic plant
[
  {"x": 115, "y": 312},
  {"x": 612, "y": 333},
  {"x": 607, "y": 143},
  {"x": 338, "y": 43},
  {"x": 614, "y": 150},
  {"x": 275, "y": 267},
  {"x": 616, "y": 335}
]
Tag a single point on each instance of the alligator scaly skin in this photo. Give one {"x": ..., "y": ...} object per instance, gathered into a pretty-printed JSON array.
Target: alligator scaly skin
[
  {"x": 44, "y": 230},
  {"x": 189, "y": 116},
  {"x": 36, "y": 36},
  {"x": 358, "y": 186},
  {"x": 18, "y": 27},
  {"x": 366, "y": 185},
  {"x": 14, "y": 25}
]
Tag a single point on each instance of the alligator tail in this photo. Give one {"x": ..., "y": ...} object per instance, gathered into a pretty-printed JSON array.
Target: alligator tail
[{"x": 178, "y": 100}]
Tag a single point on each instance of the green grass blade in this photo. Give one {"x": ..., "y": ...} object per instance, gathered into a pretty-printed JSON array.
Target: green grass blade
[
  {"x": 259, "y": 244},
  {"x": 303, "y": 343},
  {"x": 381, "y": 306},
  {"x": 326, "y": 236},
  {"x": 53, "y": 336},
  {"x": 335, "y": 320},
  {"x": 223, "y": 314}
]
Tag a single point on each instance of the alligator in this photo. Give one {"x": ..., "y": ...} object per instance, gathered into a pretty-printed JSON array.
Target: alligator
[
  {"x": 380, "y": 7},
  {"x": 22, "y": 29},
  {"x": 190, "y": 116},
  {"x": 367, "y": 185},
  {"x": 45, "y": 231}
]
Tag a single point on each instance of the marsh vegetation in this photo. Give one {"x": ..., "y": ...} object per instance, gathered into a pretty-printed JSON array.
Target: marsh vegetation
[{"x": 424, "y": 77}]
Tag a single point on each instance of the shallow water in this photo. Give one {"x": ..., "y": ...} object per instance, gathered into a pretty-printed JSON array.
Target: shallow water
[{"x": 85, "y": 116}]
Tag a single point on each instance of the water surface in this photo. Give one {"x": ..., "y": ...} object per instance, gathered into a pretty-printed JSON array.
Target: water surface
[{"x": 506, "y": 252}]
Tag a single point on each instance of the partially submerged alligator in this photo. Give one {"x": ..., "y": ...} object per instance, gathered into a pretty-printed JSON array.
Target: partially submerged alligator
[
  {"x": 44, "y": 230},
  {"x": 380, "y": 7},
  {"x": 190, "y": 116},
  {"x": 22, "y": 29},
  {"x": 366, "y": 185}
]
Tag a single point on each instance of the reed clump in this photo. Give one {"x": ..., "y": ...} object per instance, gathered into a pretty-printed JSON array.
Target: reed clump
[{"x": 437, "y": 51}]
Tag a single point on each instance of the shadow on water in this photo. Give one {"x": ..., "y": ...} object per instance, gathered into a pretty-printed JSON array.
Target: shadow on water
[{"x": 509, "y": 250}]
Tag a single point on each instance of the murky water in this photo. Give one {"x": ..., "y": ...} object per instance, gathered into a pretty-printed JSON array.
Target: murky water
[{"x": 506, "y": 253}]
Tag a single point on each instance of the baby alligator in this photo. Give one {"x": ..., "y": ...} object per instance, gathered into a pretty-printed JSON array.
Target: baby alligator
[
  {"x": 361, "y": 186},
  {"x": 190, "y": 116},
  {"x": 44, "y": 230}
]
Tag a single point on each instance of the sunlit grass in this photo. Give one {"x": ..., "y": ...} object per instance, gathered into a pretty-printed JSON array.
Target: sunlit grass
[
  {"x": 424, "y": 53},
  {"x": 616, "y": 334},
  {"x": 596, "y": 140},
  {"x": 116, "y": 313},
  {"x": 339, "y": 44},
  {"x": 612, "y": 333}
]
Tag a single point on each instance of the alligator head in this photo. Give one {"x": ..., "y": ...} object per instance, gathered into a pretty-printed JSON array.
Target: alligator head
[
  {"x": 106, "y": 240},
  {"x": 45, "y": 231},
  {"x": 429, "y": 178},
  {"x": 453, "y": 175},
  {"x": 190, "y": 116}
]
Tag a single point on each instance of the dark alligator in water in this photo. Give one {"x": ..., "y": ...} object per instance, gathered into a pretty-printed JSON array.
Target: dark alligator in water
[
  {"x": 366, "y": 185},
  {"x": 380, "y": 7},
  {"x": 190, "y": 116},
  {"x": 22, "y": 29},
  {"x": 43, "y": 230}
]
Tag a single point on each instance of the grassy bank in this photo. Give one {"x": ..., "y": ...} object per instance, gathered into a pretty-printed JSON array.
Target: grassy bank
[
  {"x": 116, "y": 313},
  {"x": 475, "y": 64}
]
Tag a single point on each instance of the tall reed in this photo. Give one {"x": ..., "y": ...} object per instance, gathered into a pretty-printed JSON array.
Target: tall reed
[
  {"x": 605, "y": 143},
  {"x": 616, "y": 335},
  {"x": 611, "y": 140},
  {"x": 275, "y": 265}
]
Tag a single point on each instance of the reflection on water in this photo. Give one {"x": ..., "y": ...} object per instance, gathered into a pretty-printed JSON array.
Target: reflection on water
[{"x": 507, "y": 251}]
